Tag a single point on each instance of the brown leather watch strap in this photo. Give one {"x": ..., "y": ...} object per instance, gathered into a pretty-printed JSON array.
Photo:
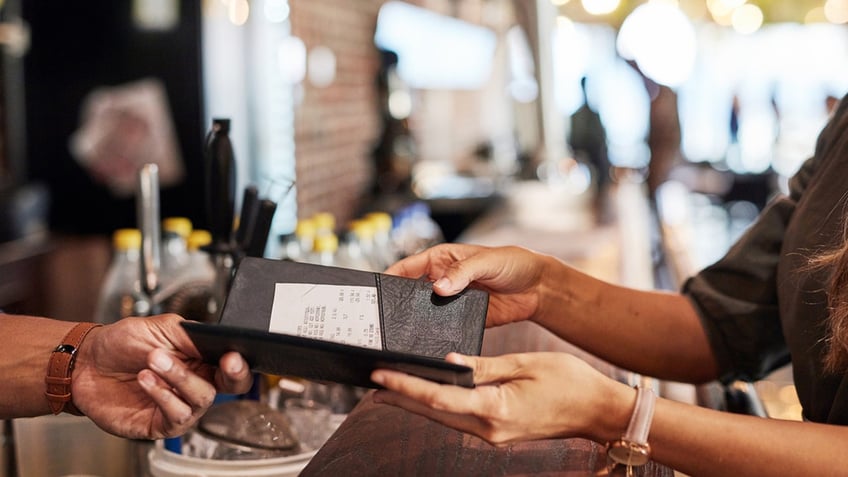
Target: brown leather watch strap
[{"x": 61, "y": 366}]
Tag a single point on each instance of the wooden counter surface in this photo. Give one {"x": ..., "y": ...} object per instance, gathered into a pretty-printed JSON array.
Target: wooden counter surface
[{"x": 382, "y": 440}]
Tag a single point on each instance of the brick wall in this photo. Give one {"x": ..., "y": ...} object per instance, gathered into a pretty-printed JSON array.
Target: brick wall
[{"x": 336, "y": 126}]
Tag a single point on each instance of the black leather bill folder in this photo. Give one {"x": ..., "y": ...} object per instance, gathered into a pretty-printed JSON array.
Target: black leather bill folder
[{"x": 336, "y": 324}]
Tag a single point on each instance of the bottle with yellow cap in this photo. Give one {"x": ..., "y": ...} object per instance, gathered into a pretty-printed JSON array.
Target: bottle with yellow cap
[
  {"x": 189, "y": 290},
  {"x": 175, "y": 233},
  {"x": 384, "y": 247},
  {"x": 199, "y": 266},
  {"x": 324, "y": 249},
  {"x": 297, "y": 245},
  {"x": 121, "y": 286},
  {"x": 357, "y": 248},
  {"x": 325, "y": 222}
]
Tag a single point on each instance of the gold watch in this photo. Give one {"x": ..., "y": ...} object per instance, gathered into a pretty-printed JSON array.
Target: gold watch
[{"x": 633, "y": 449}]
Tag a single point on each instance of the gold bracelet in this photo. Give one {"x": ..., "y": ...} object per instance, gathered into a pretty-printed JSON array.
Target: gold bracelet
[
  {"x": 633, "y": 449},
  {"x": 61, "y": 367}
]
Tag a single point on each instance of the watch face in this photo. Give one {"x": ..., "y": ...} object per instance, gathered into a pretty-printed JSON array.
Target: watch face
[
  {"x": 629, "y": 453},
  {"x": 65, "y": 348}
]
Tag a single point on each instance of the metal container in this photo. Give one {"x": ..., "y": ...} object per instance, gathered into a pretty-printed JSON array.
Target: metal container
[{"x": 66, "y": 445}]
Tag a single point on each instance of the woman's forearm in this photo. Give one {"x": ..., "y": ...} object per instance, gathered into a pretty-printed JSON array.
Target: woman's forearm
[
  {"x": 651, "y": 332},
  {"x": 702, "y": 442}
]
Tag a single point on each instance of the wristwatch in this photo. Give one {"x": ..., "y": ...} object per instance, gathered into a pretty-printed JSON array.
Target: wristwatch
[
  {"x": 633, "y": 449},
  {"x": 61, "y": 367}
]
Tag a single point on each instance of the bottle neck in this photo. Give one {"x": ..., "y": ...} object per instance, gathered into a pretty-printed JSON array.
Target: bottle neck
[{"x": 131, "y": 255}]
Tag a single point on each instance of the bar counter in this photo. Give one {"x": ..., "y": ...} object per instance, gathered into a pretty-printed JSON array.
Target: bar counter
[{"x": 382, "y": 440}]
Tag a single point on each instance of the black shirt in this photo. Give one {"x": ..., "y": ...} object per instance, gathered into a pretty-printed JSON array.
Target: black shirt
[{"x": 761, "y": 306}]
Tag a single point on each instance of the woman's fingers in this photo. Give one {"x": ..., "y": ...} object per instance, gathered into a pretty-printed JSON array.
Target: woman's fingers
[
  {"x": 442, "y": 397},
  {"x": 488, "y": 410},
  {"x": 434, "y": 263},
  {"x": 453, "y": 406},
  {"x": 490, "y": 370}
]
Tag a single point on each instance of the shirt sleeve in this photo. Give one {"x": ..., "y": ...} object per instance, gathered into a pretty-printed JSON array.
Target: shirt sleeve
[{"x": 736, "y": 297}]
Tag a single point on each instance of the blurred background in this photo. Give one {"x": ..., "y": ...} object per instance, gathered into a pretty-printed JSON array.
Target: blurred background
[
  {"x": 371, "y": 104},
  {"x": 465, "y": 108}
]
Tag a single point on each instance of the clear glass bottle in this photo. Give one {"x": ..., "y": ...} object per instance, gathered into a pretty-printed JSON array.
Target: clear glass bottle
[
  {"x": 357, "y": 249},
  {"x": 175, "y": 233},
  {"x": 325, "y": 222},
  {"x": 416, "y": 230},
  {"x": 122, "y": 283},
  {"x": 199, "y": 266},
  {"x": 190, "y": 291},
  {"x": 384, "y": 247},
  {"x": 324, "y": 249},
  {"x": 298, "y": 245},
  {"x": 200, "y": 276}
]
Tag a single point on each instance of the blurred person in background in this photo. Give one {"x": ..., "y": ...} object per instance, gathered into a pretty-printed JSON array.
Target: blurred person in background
[
  {"x": 588, "y": 138},
  {"x": 733, "y": 126},
  {"x": 779, "y": 295},
  {"x": 664, "y": 135}
]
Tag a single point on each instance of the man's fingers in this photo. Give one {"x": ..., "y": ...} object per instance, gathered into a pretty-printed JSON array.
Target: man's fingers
[
  {"x": 175, "y": 412},
  {"x": 189, "y": 388},
  {"x": 233, "y": 376}
]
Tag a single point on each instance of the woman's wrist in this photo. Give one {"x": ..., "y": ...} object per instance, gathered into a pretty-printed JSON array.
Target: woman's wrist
[
  {"x": 632, "y": 448},
  {"x": 553, "y": 292},
  {"x": 614, "y": 408}
]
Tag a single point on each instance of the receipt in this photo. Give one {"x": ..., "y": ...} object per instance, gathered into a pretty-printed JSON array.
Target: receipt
[{"x": 343, "y": 314}]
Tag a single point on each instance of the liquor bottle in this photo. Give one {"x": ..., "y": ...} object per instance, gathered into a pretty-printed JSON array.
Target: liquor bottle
[
  {"x": 198, "y": 279},
  {"x": 199, "y": 264},
  {"x": 416, "y": 230},
  {"x": 325, "y": 222},
  {"x": 357, "y": 248},
  {"x": 324, "y": 249},
  {"x": 175, "y": 233},
  {"x": 385, "y": 249},
  {"x": 297, "y": 246},
  {"x": 122, "y": 283}
]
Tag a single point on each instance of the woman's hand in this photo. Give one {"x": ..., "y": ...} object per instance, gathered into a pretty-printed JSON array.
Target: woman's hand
[
  {"x": 143, "y": 378},
  {"x": 513, "y": 276},
  {"x": 517, "y": 397}
]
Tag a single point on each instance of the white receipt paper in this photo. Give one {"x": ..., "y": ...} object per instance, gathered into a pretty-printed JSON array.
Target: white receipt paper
[{"x": 343, "y": 314}]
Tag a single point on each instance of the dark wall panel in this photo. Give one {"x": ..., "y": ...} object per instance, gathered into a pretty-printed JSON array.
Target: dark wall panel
[{"x": 78, "y": 46}]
